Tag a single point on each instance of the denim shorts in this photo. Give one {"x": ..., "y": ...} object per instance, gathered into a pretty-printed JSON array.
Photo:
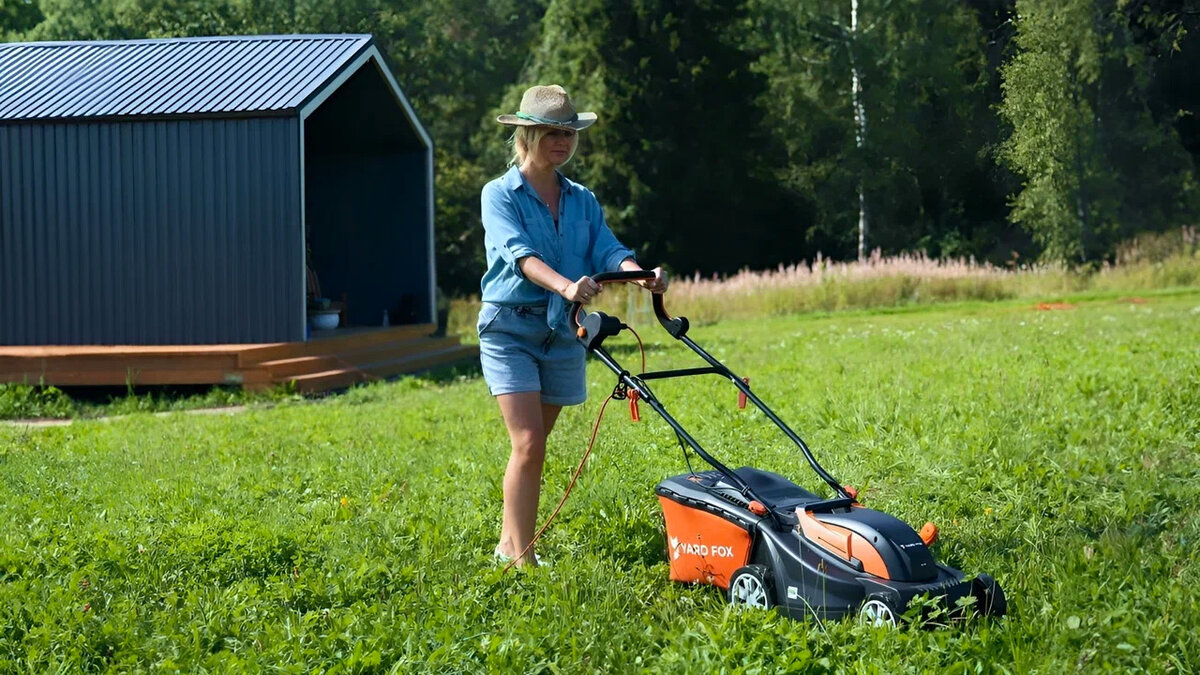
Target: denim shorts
[{"x": 519, "y": 353}]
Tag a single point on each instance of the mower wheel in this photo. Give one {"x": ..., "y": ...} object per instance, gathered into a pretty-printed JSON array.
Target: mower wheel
[
  {"x": 751, "y": 586},
  {"x": 878, "y": 612},
  {"x": 989, "y": 597}
]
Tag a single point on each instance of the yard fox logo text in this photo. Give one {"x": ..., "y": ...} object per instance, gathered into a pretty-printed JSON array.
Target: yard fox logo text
[{"x": 679, "y": 548}]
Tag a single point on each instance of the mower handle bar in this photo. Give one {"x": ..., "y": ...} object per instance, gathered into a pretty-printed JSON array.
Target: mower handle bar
[
  {"x": 677, "y": 327},
  {"x": 660, "y": 311}
]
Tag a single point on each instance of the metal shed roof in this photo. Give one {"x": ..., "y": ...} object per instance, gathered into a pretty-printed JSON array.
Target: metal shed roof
[{"x": 176, "y": 76}]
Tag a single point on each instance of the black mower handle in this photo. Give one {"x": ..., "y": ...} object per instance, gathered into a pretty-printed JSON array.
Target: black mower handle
[
  {"x": 623, "y": 275},
  {"x": 597, "y": 326},
  {"x": 674, "y": 326},
  {"x": 609, "y": 278}
]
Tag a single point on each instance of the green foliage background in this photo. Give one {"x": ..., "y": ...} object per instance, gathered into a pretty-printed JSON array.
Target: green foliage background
[
  {"x": 995, "y": 128},
  {"x": 1097, "y": 163}
]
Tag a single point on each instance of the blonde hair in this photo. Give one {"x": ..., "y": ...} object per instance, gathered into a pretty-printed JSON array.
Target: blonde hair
[{"x": 525, "y": 139}]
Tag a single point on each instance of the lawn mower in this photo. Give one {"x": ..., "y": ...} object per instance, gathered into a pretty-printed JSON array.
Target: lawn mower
[{"x": 770, "y": 543}]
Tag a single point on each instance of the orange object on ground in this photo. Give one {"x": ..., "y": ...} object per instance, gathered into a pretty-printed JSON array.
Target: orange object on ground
[
  {"x": 702, "y": 546},
  {"x": 1043, "y": 306}
]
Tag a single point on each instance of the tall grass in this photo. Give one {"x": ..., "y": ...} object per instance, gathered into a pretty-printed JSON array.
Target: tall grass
[{"x": 1148, "y": 262}]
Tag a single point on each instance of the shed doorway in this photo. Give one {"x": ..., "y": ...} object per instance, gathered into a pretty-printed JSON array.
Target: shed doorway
[{"x": 367, "y": 206}]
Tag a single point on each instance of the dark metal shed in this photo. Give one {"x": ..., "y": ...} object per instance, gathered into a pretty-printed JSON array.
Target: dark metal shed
[{"x": 177, "y": 191}]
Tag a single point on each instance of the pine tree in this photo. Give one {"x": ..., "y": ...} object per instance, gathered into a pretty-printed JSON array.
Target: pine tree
[{"x": 677, "y": 154}]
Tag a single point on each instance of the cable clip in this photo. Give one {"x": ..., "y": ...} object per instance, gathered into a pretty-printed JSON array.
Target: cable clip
[
  {"x": 633, "y": 405},
  {"x": 621, "y": 391}
]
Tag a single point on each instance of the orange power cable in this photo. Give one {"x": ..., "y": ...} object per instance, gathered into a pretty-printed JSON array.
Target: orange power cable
[{"x": 578, "y": 470}]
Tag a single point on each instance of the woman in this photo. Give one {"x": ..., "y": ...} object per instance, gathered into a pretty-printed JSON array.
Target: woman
[{"x": 545, "y": 235}]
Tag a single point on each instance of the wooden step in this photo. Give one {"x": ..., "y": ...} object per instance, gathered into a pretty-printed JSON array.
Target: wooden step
[
  {"x": 335, "y": 344},
  {"x": 339, "y": 378},
  {"x": 138, "y": 377},
  {"x": 281, "y": 370},
  {"x": 326, "y": 380},
  {"x": 424, "y": 361},
  {"x": 336, "y": 361},
  {"x": 396, "y": 350},
  {"x": 108, "y": 361},
  {"x": 56, "y": 351},
  {"x": 284, "y": 370}
]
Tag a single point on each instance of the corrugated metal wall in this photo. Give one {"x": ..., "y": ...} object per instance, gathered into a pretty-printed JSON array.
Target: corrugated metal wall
[{"x": 165, "y": 232}]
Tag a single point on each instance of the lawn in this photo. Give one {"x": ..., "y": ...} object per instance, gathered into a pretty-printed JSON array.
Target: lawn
[{"x": 1056, "y": 449}]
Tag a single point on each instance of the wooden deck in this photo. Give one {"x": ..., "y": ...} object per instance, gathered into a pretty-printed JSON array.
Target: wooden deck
[{"x": 331, "y": 360}]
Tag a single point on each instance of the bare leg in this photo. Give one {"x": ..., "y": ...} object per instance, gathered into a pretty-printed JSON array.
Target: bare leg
[
  {"x": 529, "y": 422},
  {"x": 549, "y": 416}
]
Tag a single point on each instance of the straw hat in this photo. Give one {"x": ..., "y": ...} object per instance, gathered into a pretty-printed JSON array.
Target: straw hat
[{"x": 548, "y": 105}]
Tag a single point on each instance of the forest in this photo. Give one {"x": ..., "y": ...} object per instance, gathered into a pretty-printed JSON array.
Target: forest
[{"x": 748, "y": 134}]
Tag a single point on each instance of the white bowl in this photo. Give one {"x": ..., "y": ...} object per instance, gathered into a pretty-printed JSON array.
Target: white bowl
[{"x": 323, "y": 320}]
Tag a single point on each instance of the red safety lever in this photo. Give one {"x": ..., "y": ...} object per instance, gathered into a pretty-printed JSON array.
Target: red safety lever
[
  {"x": 742, "y": 394},
  {"x": 633, "y": 406}
]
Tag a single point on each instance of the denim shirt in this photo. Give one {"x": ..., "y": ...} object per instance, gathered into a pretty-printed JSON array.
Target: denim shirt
[{"x": 517, "y": 224}]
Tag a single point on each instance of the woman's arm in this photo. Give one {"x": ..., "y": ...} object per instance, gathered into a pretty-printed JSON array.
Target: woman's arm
[
  {"x": 583, "y": 290},
  {"x": 544, "y": 275},
  {"x": 502, "y": 228}
]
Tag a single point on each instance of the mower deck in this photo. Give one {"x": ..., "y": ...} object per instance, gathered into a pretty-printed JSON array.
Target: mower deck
[{"x": 802, "y": 576}]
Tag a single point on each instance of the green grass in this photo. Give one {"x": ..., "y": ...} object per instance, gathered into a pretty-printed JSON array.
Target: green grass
[
  {"x": 26, "y": 401},
  {"x": 1057, "y": 450}
]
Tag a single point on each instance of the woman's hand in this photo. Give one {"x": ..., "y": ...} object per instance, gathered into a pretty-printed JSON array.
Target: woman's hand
[
  {"x": 658, "y": 284},
  {"x": 582, "y": 291}
]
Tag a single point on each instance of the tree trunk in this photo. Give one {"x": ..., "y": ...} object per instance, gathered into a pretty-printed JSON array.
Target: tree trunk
[{"x": 860, "y": 128}]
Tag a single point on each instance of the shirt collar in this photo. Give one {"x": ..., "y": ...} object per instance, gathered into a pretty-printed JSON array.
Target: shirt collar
[{"x": 514, "y": 180}]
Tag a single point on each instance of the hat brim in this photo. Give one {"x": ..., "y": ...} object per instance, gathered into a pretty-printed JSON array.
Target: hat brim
[{"x": 582, "y": 121}]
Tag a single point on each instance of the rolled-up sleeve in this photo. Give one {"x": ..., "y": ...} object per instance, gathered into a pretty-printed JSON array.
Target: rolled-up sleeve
[
  {"x": 607, "y": 252},
  {"x": 502, "y": 229}
]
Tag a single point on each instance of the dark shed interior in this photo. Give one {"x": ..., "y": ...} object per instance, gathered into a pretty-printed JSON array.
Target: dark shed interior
[{"x": 367, "y": 203}]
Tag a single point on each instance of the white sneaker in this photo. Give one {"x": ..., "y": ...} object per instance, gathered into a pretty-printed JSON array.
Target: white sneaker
[{"x": 505, "y": 559}]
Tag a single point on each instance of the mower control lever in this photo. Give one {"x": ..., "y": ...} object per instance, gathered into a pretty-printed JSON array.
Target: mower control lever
[{"x": 596, "y": 327}]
